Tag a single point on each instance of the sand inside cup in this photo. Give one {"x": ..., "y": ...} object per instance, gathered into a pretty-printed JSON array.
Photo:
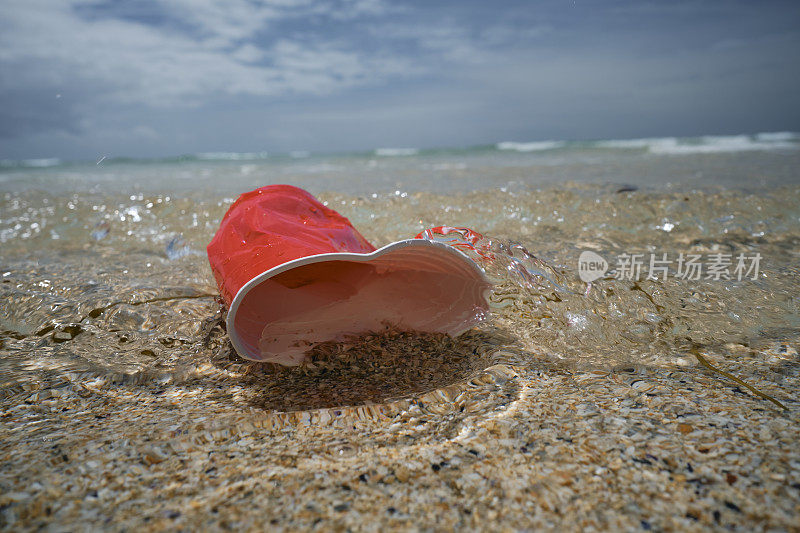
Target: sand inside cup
[{"x": 414, "y": 288}]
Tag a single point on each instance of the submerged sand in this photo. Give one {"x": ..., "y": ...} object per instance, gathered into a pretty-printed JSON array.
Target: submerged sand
[
  {"x": 574, "y": 407},
  {"x": 505, "y": 447}
]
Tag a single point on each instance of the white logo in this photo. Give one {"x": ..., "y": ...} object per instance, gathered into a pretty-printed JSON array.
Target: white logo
[{"x": 591, "y": 266}]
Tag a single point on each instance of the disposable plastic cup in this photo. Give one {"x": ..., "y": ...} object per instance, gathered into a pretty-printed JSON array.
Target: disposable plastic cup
[{"x": 294, "y": 273}]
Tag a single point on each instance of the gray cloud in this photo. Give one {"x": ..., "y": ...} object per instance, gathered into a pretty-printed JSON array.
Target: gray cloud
[{"x": 159, "y": 77}]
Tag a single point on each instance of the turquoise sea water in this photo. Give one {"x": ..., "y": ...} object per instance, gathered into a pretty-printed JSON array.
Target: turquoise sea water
[{"x": 767, "y": 159}]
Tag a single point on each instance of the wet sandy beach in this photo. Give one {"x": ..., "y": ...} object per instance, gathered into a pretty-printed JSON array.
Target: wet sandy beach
[{"x": 575, "y": 406}]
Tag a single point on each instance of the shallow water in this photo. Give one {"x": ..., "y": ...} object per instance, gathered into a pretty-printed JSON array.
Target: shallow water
[
  {"x": 572, "y": 401},
  {"x": 104, "y": 274}
]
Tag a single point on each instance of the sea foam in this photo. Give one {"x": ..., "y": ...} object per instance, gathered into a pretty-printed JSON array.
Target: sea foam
[
  {"x": 529, "y": 146},
  {"x": 41, "y": 163},
  {"x": 778, "y": 136},
  {"x": 708, "y": 144},
  {"x": 231, "y": 156},
  {"x": 394, "y": 152}
]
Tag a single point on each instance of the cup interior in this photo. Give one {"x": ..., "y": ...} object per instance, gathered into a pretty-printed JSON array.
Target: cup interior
[{"x": 414, "y": 288}]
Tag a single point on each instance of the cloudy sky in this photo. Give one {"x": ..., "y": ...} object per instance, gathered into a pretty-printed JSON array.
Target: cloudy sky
[{"x": 85, "y": 78}]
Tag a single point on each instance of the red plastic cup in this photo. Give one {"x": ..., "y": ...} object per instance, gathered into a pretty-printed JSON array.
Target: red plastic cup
[{"x": 294, "y": 273}]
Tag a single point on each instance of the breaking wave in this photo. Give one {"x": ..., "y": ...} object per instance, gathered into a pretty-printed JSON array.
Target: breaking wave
[
  {"x": 530, "y": 146},
  {"x": 395, "y": 152}
]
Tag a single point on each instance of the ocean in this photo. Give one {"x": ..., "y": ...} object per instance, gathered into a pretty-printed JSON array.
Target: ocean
[
  {"x": 727, "y": 161},
  {"x": 624, "y": 264}
]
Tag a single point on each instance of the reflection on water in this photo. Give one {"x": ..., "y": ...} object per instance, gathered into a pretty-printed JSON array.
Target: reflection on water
[{"x": 116, "y": 291}]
